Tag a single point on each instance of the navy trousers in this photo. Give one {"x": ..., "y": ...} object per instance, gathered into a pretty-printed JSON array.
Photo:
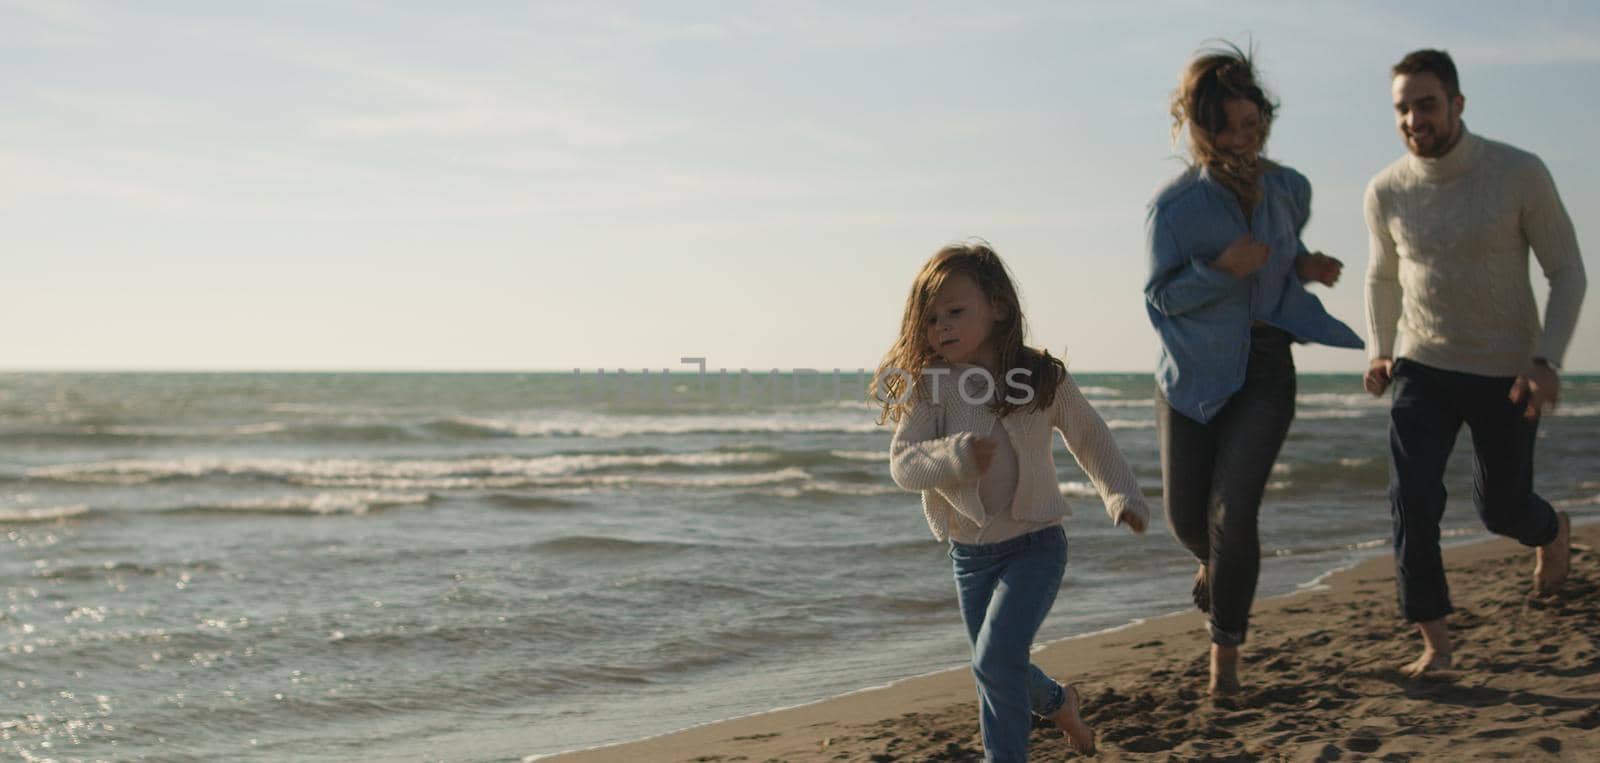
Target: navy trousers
[{"x": 1430, "y": 405}]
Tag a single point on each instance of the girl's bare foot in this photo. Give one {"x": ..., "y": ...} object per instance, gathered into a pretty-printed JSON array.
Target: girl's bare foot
[
  {"x": 1224, "y": 670},
  {"x": 1436, "y": 649},
  {"x": 1553, "y": 560},
  {"x": 1071, "y": 723},
  {"x": 1201, "y": 593}
]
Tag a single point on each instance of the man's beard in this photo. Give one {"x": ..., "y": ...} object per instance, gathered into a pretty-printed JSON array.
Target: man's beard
[{"x": 1441, "y": 144}]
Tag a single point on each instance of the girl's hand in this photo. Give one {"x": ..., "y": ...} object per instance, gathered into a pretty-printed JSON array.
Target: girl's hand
[
  {"x": 1318, "y": 267},
  {"x": 1134, "y": 520},
  {"x": 983, "y": 449},
  {"x": 1242, "y": 257}
]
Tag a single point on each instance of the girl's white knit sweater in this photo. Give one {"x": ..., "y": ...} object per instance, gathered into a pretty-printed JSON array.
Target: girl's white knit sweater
[{"x": 932, "y": 452}]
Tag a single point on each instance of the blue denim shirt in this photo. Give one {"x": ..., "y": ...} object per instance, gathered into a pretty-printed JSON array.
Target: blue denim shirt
[{"x": 1204, "y": 315}]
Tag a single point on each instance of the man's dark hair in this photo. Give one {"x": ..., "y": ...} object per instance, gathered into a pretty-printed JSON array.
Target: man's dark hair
[{"x": 1435, "y": 62}]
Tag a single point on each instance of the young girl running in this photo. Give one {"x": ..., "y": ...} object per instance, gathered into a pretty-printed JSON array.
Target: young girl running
[{"x": 975, "y": 409}]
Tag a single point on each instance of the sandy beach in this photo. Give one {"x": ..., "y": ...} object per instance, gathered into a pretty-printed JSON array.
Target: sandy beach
[{"x": 1320, "y": 684}]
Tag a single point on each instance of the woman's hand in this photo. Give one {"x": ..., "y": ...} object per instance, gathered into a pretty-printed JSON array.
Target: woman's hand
[
  {"x": 1133, "y": 520},
  {"x": 983, "y": 450},
  {"x": 1318, "y": 267},
  {"x": 1242, "y": 257}
]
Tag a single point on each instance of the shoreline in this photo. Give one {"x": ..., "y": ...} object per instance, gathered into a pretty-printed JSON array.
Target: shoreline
[
  {"x": 934, "y": 715},
  {"x": 549, "y": 756},
  {"x": 1319, "y": 582}
]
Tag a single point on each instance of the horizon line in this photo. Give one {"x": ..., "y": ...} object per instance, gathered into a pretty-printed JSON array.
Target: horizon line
[{"x": 1565, "y": 373}]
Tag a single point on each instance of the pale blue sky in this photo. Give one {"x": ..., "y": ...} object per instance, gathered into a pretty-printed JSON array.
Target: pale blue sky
[{"x": 421, "y": 185}]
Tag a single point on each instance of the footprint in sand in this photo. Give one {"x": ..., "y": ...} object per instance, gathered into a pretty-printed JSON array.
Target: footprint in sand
[
  {"x": 1588, "y": 721},
  {"x": 1500, "y": 733},
  {"x": 1363, "y": 743},
  {"x": 1329, "y": 752},
  {"x": 1279, "y": 665}
]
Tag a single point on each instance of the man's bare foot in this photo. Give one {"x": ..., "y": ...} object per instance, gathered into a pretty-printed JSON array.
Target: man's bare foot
[
  {"x": 1071, "y": 723},
  {"x": 1201, "y": 593},
  {"x": 1553, "y": 560},
  {"x": 1224, "y": 670},
  {"x": 1436, "y": 649}
]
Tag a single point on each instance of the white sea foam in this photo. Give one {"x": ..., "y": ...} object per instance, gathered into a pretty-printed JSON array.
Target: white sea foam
[
  {"x": 1077, "y": 488},
  {"x": 791, "y": 474},
  {"x": 263, "y": 428},
  {"x": 1131, "y": 423},
  {"x": 41, "y": 514},
  {"x": 1341, "y": 400},
  {"x": 791, "y": 482},
  {"x": 1137, "y": 403},
  {"x": 409, "y": 477},
  {"x": 322, "y": 503},
  {"x": 342, "y": 471},
  {"x": 309, "y": 408},
  {"x": 860, "y": 455},
  {"x": 812, "y": 486},
  {"x": 624, "y": 426},
  {"x": 431, "y": 484},
  {"x": 1334, "y": 413},
  {"x": 1573, "y": 503}
]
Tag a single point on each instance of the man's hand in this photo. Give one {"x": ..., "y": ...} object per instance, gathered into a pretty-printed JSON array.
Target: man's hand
[
  {"x": 1379, "y": 374},
  {"x": 1318, "y": 267},
  {"x": 1540, "y": 386},
  {"x": 983, "y": 450},
  {"x": 1242, "y": 257}
]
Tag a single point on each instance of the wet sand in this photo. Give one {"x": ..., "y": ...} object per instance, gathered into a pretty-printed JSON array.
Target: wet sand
[{"x": 1320, "y": 683}]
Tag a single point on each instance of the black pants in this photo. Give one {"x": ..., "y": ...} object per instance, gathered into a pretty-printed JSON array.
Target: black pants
[
  {"x": 1430, "y": 405},
  {"x": 1213, "y": 476}
]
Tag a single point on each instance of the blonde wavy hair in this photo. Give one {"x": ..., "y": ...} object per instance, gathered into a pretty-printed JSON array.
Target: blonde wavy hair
[{"x": 1213, "y": 78}]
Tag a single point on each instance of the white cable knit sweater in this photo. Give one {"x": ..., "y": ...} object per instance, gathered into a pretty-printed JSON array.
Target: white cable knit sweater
[
  {"x": 932, "y": 452},
  {"x": 1449, "y": 267}
]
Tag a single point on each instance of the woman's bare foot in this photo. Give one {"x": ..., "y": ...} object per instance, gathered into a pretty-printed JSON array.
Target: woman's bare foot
[
  {"x": 1201, "y": 593},
  {"x": 1436, "y": 650},
  {"x": 1224, "y": 670},
  {"x": 1553, "y": 560},
  {"x": 1071, "y": 723},
  {"x": 1429, "y": 662}
]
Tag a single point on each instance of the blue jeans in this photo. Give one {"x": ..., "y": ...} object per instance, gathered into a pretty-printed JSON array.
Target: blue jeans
[
  {"x": 1430, "y": 405},
  {"x": 1006, "y": 590}
]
